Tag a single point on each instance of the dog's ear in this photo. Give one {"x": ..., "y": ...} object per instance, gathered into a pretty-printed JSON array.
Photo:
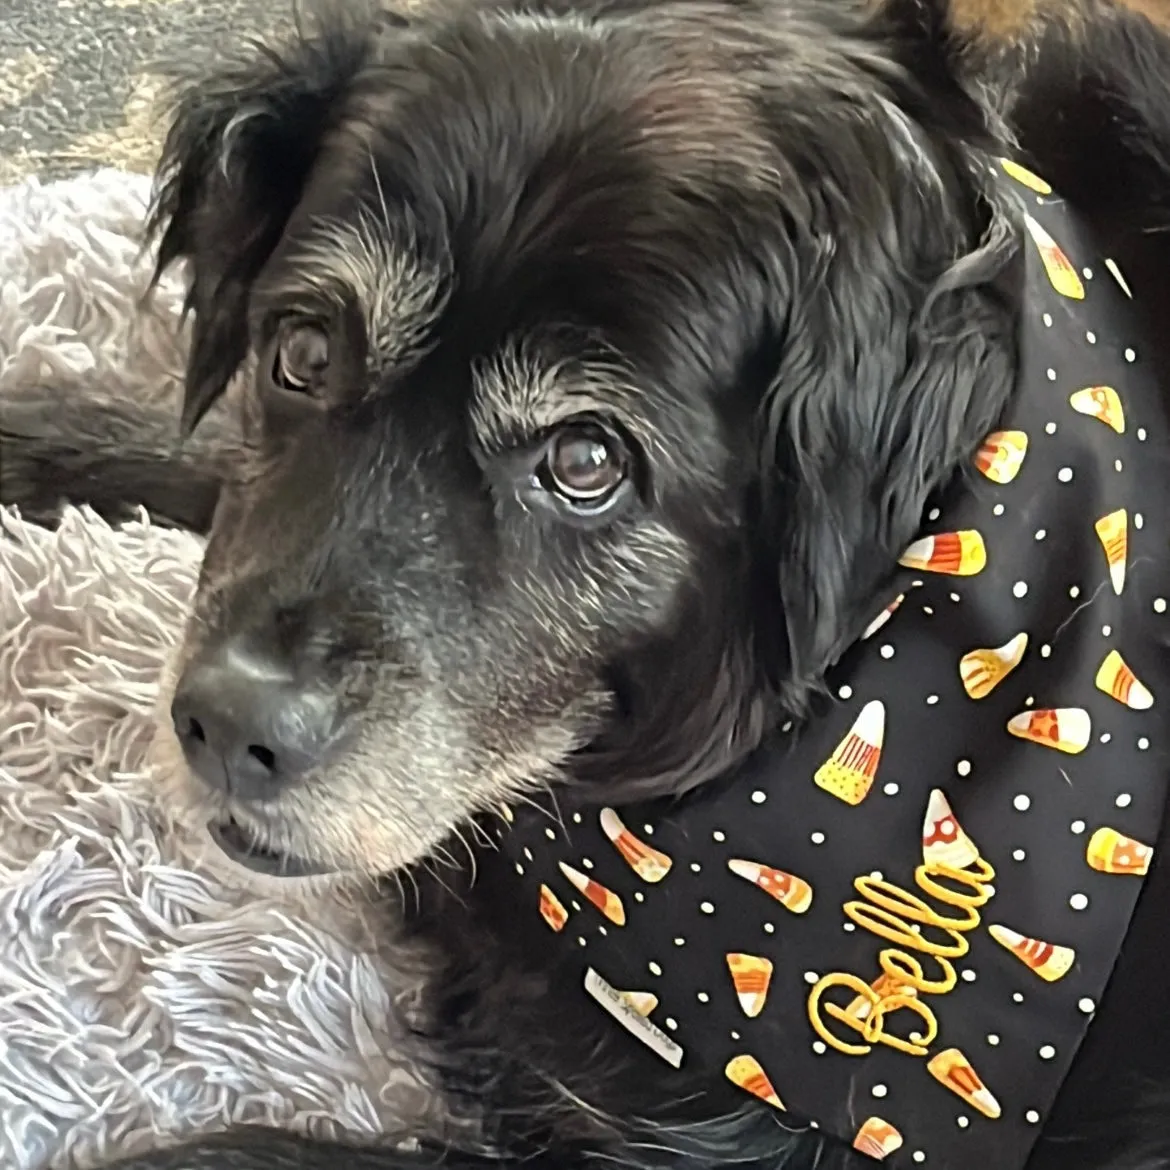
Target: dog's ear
[
  {"x": 239, "y": 150},
  {"x": 895, "y": 356}
]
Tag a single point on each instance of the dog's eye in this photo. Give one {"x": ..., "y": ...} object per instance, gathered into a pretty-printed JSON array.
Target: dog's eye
[
  {"x": 302, "y": 356},
  {"x": 584, "y": 465}
]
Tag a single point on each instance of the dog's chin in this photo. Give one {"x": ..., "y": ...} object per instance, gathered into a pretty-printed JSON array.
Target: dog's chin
[{"x": 246, "y": 848}]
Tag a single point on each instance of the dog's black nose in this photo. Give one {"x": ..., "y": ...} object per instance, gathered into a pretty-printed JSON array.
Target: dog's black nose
[{"x": 246, "y": 726}]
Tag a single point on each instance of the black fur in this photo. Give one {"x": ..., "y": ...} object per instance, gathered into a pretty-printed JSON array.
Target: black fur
[{"x": 819, "y": 274}]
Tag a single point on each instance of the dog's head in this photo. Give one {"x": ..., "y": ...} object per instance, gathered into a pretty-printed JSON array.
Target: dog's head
[{"x": 599, "y": 362}]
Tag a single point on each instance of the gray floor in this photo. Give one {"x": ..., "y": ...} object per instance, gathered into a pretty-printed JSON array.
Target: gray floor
[{"x": 82, "y": 81}]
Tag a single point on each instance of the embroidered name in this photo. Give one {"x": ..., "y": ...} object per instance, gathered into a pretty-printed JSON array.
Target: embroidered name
[{"x": 903, "y": 918}]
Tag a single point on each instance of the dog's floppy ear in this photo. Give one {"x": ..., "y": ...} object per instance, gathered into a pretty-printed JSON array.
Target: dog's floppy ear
[
  {"x": 239, "y": 150},
  {"x": 895, "y": 358}
]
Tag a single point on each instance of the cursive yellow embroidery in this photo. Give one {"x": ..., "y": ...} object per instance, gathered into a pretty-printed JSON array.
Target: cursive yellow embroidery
[{"x": 903, "y": 918}]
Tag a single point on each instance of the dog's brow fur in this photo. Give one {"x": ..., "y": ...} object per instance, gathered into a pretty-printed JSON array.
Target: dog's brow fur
[
  {"x": 517, "y": 395},
  {"x": 399, "y": 293}
]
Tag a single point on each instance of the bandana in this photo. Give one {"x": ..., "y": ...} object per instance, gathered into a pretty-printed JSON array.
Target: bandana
[{"x": 896, "y": 923}]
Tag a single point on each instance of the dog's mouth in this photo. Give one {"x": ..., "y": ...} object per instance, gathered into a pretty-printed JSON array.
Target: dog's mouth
[{"x": 241, "y": 845}]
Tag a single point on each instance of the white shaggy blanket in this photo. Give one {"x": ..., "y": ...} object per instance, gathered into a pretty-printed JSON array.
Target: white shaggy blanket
[{"x": 143, "y": 997}]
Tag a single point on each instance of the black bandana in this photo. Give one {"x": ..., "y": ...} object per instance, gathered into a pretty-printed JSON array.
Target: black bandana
[{"x": 897, "y": 924}]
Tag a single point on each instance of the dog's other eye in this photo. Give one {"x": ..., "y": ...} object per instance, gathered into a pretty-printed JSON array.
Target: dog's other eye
[
  {"x": 301, "y": 359},
  {"x": 584, "y": 465}
]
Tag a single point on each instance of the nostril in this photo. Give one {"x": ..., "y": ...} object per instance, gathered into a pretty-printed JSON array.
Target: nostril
[{"x": 262, "y": 756}]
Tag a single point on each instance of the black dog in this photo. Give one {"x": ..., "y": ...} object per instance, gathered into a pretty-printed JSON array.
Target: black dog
[{"x": 606, "y": 357}]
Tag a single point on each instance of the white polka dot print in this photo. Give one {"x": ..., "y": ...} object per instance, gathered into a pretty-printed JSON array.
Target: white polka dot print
[
  {"x": 1074, "y": 591},
  {"x": 707, "y": 907},
  {"x": 1022, "y": 802},
  {"x": 1131, "y": 355},
  {"x": 1017, "y": 997},
  {"x": 680, "y": 942},
  {"x": 811, "y": 977},
  {"x": 1019, "y": 854},
  {"x": 819, "y": 1047},
  {"x": 586, "y": 863},
  {"x": 671, "y": 1023},
  {"x": 879, "y": 1091},
  {"x": 1139, "y": 521},
  {"x": 993, "y": 1040},
  {"x": 817, "y": 838},
  {"x": 1143, "y": 744},
  {"x": 1106, "y": 631},
  {"x": 1079, "y": 901},
  {"x": 1077, "y": 827},
  {"x": 918, "y": 1156},
  {"x": 846, "y": 692},
  {"x": 718, "y": 835},
  {"x": 1088, "y": 273},
  {"x": 759, "y": 796},
  {"x": 1047, "y": 319},
  {"x": 931, "y": 700},
  {"x": 963, "y": 767},
  {"x": 1050, "y": 373},
  {"x": 1047, "y": 1052},
  {"x": 1091, "y": 337},
  {"x": 1045, "y": 651},
  {"x": 890, "y": 789},
  {"x": 1032, "y": 1117},
  {"x": 1065, "y": 475},
  {"x": 1020, "y": 589},
  {"x": 933, "y": 514},
  {"x": 887, "y": 651},
  {"x": 703, "y": 997},
  {"x": 1105, "y": 737},
  {"x": 655, "y": 969},
  {"x": 769, "y": 928},
  {"x": 962, "y": 1122},
  {"x": 696, "y": 867},
  {"x": 969, "y": 976},
  {"x": 1087, "y": 1006},
  {"x": 1141, "y": 434},
  {"x": 1124, "y": 800},
  {"x": 1041, "y": 533},
  {"x": 1159, "y": 605},
  {"x": 1050, "y": 428}
]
